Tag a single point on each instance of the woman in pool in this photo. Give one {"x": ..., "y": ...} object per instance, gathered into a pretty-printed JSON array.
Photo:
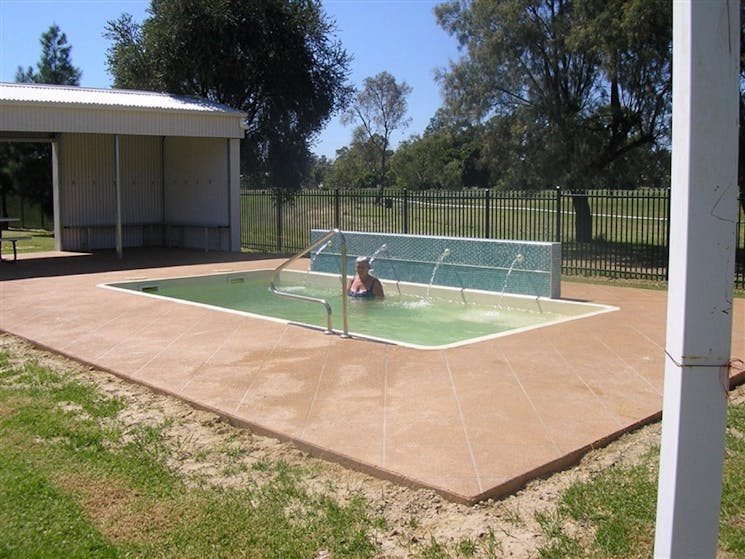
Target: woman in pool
[{"x": 363, "y": 285}]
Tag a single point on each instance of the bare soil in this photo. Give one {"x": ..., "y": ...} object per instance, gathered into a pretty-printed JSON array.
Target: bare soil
[{"x": 206, "y": 449}]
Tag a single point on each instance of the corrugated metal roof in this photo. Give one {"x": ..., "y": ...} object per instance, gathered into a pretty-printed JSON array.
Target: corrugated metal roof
[{"x": 72, "y": 96}]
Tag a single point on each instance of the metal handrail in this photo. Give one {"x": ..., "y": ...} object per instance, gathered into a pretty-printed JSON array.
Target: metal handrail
[{"x": 343, "y": 266}]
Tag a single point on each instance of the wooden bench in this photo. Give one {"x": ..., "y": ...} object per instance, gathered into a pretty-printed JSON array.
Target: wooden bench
[
  {"x": 205, "y": 227},
  {"x": 12, "y": 240},
  {"x": 89, "y": 228},
  {"x": 165, "y": 228}
]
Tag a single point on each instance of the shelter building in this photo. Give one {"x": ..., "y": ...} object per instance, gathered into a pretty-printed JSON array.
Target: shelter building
[{"x": 133, "y": 168}]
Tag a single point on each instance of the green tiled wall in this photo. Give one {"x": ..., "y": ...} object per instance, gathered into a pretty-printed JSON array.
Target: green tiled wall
[{"x": 470, "y": 263}]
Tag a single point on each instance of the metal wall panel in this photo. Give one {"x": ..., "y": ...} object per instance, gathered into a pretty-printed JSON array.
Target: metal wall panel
[
  {"x": 141, "y": 173},
  {"x": 197, "y": 189},
  {"x": 196, "y": 180},
  {"x": 88, "y": 190}
]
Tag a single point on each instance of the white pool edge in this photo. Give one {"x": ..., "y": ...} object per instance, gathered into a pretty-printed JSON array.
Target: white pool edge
[{"x": 556, "y": 305}]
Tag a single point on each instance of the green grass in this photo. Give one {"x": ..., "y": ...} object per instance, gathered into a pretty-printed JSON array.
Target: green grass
[
  {"x": 613, "y": 515},
  {"x": 41, "y": 240},
  {"x": 73, "y": 484}
]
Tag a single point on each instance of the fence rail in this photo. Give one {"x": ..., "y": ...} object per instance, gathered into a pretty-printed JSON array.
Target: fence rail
[{"x": 622, "y": 233}]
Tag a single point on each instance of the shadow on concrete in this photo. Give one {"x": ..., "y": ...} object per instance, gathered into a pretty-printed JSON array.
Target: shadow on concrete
[{"x": 51, "y": 264}]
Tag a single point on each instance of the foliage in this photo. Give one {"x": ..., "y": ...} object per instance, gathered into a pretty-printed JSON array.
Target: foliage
[
  {"x": 571, "y": 85},
  {"x": 273, "y": 59},
  {"x": 380, "y": 107},
  {"x": 26, "y": 169},
  {"x": 443, "y": 158},
  {"x": 55, "y": 65},
  {"x": 319, "y": 169},
  {"x": 355, "y": 166}
]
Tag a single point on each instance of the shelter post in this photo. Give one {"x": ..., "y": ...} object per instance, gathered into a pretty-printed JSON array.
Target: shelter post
[{"x": 118, "y": 181}]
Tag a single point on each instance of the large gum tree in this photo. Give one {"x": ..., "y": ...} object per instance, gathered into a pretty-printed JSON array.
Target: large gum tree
[
  {"x": 277, "y": 60},
  {"x": 582, "y": 83},
  {"x": 380, "y": 108}
]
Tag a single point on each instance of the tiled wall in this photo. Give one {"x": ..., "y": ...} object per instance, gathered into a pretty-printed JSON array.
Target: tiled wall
[{"x": 471, "y": 263}]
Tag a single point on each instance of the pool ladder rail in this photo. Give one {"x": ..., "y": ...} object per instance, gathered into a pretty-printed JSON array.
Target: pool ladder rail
[{"x": 323, "y": 302}]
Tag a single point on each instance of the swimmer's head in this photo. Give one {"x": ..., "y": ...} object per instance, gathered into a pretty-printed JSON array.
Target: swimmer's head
[{"x": 362, "y": 263}]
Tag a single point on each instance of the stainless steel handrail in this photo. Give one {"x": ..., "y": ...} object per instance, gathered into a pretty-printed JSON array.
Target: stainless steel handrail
[{"x": 343, "y": 266}]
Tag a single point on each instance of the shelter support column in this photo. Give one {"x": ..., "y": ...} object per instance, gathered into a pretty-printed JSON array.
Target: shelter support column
[
  {"x": 118, "y": 181},
  {"x": 56, "y": 211},
  {"x": 234, "y": 193},
  {"x": 706, "y": 39}
]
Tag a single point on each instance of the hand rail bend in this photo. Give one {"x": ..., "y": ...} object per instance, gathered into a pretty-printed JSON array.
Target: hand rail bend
[{"x": 343, "y": 266}]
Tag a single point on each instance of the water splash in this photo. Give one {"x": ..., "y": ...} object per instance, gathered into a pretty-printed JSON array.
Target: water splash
[
  {"x": 445, "y": 254},
  {"x": 313, "y": 256},
  {"x": 381, "y": 248},
  {"x": 519, "y": 259}
]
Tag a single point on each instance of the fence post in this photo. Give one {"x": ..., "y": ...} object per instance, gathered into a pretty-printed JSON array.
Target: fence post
[
  {"x": 405, "y": 209},
  {"x": 336, "y": 209},
  {"x": 487, "y": 214},
  {"x": 557, "y": 233},
  {"x": 667, "y": 234},
  {"x": 278, "y": 206}
]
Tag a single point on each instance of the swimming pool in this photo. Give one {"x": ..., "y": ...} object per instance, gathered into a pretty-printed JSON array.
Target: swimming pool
[{"x": 412, "y": 315}]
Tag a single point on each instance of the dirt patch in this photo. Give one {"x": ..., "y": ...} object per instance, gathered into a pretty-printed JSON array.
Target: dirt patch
[
  {"x": 204, "y": 448},
  {"x": 119, "y": 512}
]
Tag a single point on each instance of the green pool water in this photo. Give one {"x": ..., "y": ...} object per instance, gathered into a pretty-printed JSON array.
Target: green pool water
[{"x": 425, "y": 320}]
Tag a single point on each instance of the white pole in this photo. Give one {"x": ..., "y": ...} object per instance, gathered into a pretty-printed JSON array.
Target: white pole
[
  {"x": 706, "y": 44},
  {"x": 117, "y": 179},
  {"x": 56, "y": 193}
]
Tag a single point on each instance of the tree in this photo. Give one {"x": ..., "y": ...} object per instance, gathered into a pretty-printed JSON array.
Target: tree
[
  {"x": 354, "y": 166},
  {"x": 444, "y": 157},
  {"x": 583, "y": 83},
  {"x": 273, "y": 59},
  {"x": 55, "y": 65},
  {"x": 26, "y": 169},
  {"x": 380, "y": 107},
  {"x": 321, "y": 166}
]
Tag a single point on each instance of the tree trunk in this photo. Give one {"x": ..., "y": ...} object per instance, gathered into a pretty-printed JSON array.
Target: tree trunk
[{"x": 583, "y": 217}]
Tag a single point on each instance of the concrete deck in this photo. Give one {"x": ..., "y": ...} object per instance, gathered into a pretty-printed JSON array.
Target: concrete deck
[{"x": 471, "y": 422}]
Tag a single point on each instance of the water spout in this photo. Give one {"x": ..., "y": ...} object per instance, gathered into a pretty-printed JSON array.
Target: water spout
[
  {"x": 445, "y": 254},
  {"x": 519, "y": 259},
  {"x": 381, "y": 248},
  {"x": 314, "y": 255}
]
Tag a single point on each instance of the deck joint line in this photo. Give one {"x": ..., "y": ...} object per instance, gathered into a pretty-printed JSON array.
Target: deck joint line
[
  {"x": 316, "y": 390},
  {"x": 463, "y": 424},
  {"x": 385, "y": 406},
  {"x": 261, "y": 367}
]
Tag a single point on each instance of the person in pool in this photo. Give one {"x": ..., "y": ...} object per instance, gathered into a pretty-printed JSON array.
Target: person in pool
[{"x": 364, "y": 285}]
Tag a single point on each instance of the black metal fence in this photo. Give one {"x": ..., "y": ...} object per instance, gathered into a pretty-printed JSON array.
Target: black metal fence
[{"x": 614, "y": 233}]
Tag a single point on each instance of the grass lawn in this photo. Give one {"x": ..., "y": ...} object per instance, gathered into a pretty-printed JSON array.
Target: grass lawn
[{"x": 41, "y": 241}]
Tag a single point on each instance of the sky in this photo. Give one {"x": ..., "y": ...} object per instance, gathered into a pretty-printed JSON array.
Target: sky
[{"x": 398, "y": 36}]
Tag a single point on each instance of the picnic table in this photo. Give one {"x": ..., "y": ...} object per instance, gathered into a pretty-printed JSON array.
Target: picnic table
[{"x": 13, "y": 240}]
